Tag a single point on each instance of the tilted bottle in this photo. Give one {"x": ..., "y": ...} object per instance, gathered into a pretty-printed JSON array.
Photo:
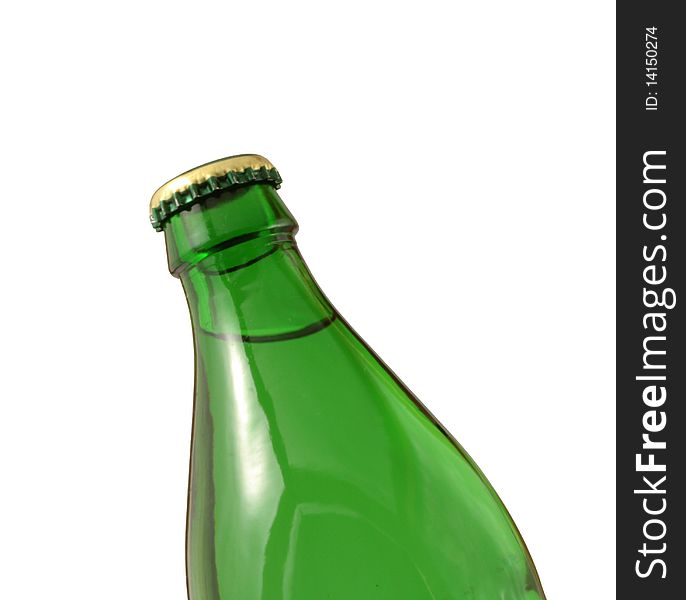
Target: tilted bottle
[{"x": 315, "y": 473}]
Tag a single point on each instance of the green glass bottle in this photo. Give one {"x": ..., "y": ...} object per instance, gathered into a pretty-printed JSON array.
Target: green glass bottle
[{"x": 315, "y": 473}]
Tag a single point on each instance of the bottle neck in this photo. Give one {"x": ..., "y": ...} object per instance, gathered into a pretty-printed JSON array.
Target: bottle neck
[{"x": 241, "y": 270}]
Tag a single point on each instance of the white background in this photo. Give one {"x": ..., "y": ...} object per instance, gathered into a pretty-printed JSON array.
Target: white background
[{"x": 451, "y": 165}]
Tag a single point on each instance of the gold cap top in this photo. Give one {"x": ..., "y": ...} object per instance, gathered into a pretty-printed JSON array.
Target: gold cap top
[{"x": 183, "y": 191}]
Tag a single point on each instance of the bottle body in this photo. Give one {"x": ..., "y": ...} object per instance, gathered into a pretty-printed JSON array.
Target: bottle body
[{"x": 314, "y": 472}]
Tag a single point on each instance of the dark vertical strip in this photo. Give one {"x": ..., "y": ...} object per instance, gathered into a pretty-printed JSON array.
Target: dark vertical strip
[
  {"x": 201, "y": 564},
  {"x": 651, "y": 268},
  {"x": 202, "y": 581}
]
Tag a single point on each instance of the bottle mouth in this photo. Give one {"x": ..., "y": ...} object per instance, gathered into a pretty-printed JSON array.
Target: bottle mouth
[{"x": 191, "y": 187}]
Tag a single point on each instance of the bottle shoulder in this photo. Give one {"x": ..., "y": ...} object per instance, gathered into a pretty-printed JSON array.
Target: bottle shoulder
[{"x": 321, "y": 441}]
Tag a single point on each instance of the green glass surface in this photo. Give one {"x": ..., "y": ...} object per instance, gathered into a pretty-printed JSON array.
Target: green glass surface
[{"x": 315, "y": 473}]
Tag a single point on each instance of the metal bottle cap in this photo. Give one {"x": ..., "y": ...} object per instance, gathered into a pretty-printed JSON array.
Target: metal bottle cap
[{"x": 190, "y": 187}]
